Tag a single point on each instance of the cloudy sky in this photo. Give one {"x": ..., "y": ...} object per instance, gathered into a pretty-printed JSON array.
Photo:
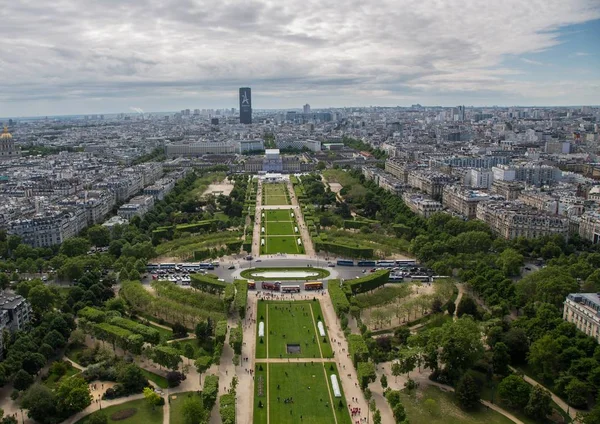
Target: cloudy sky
[{"x": 103, "y": 56}]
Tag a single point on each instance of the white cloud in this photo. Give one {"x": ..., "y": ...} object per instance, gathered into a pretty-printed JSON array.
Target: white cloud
[{"x": 149, "y": 52}]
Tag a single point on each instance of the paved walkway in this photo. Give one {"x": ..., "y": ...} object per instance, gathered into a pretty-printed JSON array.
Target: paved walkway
[
  {"x": 309, "y": 248},
  {"x": 257, "y": 221}
]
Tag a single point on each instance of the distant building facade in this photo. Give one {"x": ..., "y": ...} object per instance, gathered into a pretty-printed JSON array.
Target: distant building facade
[
  {"x": 583, "y": 310},
  {"x": 245, "y": 105}
]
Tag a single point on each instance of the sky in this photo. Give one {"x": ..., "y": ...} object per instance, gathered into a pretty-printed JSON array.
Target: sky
[{"x": 108, "y": 56}]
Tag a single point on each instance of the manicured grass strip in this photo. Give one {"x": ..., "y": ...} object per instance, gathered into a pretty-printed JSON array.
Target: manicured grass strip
[
  {"x": 144, "y": 413},
  {"x": 291, "y": 323},
  {"x": 305, "y": 383},
  {"x": 251, "y": 273},
  {"x": 159, "y": 380}
]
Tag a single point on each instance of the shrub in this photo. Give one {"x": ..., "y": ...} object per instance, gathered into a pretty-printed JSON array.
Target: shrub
[
  {"x": 123, "y": 414},
  {"x": 174, "y": 378}
]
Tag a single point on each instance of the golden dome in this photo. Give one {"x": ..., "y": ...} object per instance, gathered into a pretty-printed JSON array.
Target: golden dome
[{"x": 5, "y": 134}]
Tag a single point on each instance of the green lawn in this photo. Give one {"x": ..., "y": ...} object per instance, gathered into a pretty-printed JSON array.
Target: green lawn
[
  {"x": 291, "y": 322},
  {"x": 282, "y": 244},
  {"x": 158, "y": 379},
  {"x": 446, "y": 410},
  {"x": 308, "y": 385},
  {"x": 280, "y": 228},
  {"x": 279, "y": 215},
  {"x": 275, "y": 194},
  {"x": 53, "y": 380},
  {"x": 144, "y": 413},
  {"x": 251, "y": 273},
  {"x": 176, "y": 408}
]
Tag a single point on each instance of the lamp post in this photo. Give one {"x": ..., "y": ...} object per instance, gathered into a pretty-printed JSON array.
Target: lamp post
[
  {"x": 22, "y": 418},
  {"x": 100, "y": 401}
]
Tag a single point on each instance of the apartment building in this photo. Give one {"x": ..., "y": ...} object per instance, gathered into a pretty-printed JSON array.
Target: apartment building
[
  {"x": 421, "y": 205},
  {"x": 583, "y": 310},
  {"x": 430, "y": 182},
  {"x": 15, "y": 313},
  {"x": 589, "y": 226},
  {"x": 137, "y": 206},
  {"x": 463, "y": 201},
  {"x": 512, "y": 219}
]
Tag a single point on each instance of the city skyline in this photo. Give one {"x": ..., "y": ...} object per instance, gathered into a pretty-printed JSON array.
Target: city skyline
[{"x": 85, "y": 58}]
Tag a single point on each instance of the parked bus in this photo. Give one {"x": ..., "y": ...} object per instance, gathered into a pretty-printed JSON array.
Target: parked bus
[
  {"x": 439, "y": 277},
  {"x": 345, "y": 262},
  {"x": 396, "y": 278},
  {"x": 406, "y": 262},
  {"x": 151, "y": 267},
  {"x": 386, "y": 264},
  {"x": 251, "y": 285},
  {"x": 271, "y": 286},
  {"x": 168, "y": 266},
  {"x": 313, "y": 285},
  {"x": 290, "y": 289},
  {"x": 366, "y": 263},
  {"x": 206, "y": 265},
  {"x": 423, "y": 278}
]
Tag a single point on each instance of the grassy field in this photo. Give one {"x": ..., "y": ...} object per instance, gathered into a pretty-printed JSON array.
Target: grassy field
[
  {"x": 446, "y": 410},
  {"x": 275, "y": 194},
  {"x": 176, "y": 408},
  {"x": 144, "y": 413},
  {"x": 53, "y": 380},
  {"x": 251, "y": 273},
  {"x": 383, "y": 295},
  {"x": 387, "y": 245},
  {"x": 279, "y": 234},
  {"x": 165, "y": 334},
  {"x": 309, "y": 387},
  {"x": 185, "y": 246},
  {"x": 202, "y": 183},
  {"x": 291, "y": 323},
  {"x": 159, "y": 380}
]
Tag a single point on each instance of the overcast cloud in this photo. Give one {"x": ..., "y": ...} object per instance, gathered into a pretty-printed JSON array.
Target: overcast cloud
[{"x": 107, "y": 56}]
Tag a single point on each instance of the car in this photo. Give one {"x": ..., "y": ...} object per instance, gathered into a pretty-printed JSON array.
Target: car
[
  {"x": 258, "y": 260},
  {"x": 331, "y": 265},
  {"x": 231, "y": 267},
  {"x": 373, "y": 269},
  {"x": 528, "y": 268},
  {"x": 221, "y": 280},
  {"x": 364, "y": 271}
]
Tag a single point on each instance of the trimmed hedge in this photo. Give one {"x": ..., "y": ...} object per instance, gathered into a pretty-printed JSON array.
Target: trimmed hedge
[
  {"x": 150, "y": 335},
  {"x": 196, "y": 226},
  {"x": 228, "y": 296},
  {"x": 357, "y": 347},
  {"x": 338, "y": 298},
  {"x": 367, "y": 283},
  {"x": 236, "y": 338},
  {"x": 343, "y": 250},
  {"x": 92, "y": 314},
  {"x": 241, "y": 296},
  {"x": 227, "y": 408},
  {"x": 358, "y": 224},
  {"x": 221, "y": 331},
  {"x": 207, "y": 284},
  {"x": 366, "y": 373},
  {"x": 210, "y": 391}
]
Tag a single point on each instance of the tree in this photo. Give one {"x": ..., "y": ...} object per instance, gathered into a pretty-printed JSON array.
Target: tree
[
  {"x": 377, "y": 417},
  {"x": 54, "y": 339},
  {"x": 468, "y": 392},
  {"x": 116, "y": 304},
  {"x": 41, "y": 298},
  {"x": 188, "y": 351},
  {"x": 40, "y": 403},
  {"x": 399, "y": 413},
  {"x": 543, "y": 356},
  {"x": 166, "y": 356},
  {"x": 518, "y": 344},
  {"x": 514, "y": 391},
  {"x": 98, "y": 235},
  {"x": 510, "y": 262},
  {"x": 152, "y": 397},
  {"x": 384, "y": 382},
  {"x": 75, "y": 246},
  {"x": 540, "y": 403},
  {"x": 577, "y": 393},
  {"x": 467, "y": 306},
  {"x": 396, "y": 370},
  {"x": 460, "y": 343},
  {"x": 193, "y": 411},
  {"x": 500, "y": 359},
  {"x": 73, "y": 395},
  {"x": 132, "y": 379},
  {"x": 22, "y": 380}
]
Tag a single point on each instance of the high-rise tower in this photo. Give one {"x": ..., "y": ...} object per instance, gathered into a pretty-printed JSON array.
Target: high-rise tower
[{"x": 245, "y": 105}]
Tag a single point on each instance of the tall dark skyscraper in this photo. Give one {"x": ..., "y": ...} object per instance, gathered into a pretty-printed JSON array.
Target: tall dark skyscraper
[{"x": 245, "y": 105}]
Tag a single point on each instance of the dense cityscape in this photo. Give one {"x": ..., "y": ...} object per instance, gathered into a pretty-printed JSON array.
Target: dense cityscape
[{"x": 309, "y": 212}]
